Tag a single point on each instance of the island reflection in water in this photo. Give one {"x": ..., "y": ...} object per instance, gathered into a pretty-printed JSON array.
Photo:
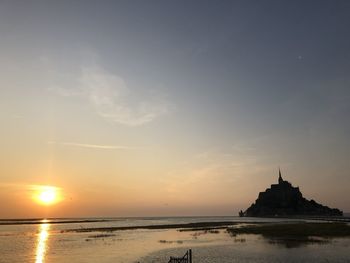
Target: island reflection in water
[{"x": 41, "y": 247}]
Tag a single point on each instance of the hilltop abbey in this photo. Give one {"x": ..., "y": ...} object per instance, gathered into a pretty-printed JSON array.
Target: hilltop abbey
[{"x": 283, "y": 199}]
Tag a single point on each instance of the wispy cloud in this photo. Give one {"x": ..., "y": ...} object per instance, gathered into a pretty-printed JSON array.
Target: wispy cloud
[
  {"x": 95, "y": 146},
  {"x": 112, "y": 98},
  {"x": 37, "y": 187},
  {"x": 26, "y": 187}
]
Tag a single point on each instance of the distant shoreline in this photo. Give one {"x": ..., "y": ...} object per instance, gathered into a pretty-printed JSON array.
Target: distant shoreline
[
  {"x": 4, "y": 222},
  {"x": 38, "y": 221}
]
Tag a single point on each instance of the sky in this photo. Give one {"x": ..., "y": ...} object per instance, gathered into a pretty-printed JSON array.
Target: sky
[{"x": 169, "y": 108}]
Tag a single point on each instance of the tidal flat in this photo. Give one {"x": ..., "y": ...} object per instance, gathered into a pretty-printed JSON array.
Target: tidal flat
[
  {"x": 148, "y": 240},
  {"x": 183, "y": 226},
  {"x": 268, "y": 242}
]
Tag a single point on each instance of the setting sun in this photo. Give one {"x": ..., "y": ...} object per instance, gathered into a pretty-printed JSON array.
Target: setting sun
[{"x": 47, "y": 195}]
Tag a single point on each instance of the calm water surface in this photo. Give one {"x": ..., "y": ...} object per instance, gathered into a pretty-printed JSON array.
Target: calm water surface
[{"x": 44, "y": 242}]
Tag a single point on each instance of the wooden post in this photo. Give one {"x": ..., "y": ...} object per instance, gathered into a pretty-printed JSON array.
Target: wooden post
[{"x": 190, "y": 255}]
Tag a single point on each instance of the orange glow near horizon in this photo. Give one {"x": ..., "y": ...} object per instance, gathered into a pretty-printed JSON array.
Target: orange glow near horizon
[{"x": 47, "y": 195}]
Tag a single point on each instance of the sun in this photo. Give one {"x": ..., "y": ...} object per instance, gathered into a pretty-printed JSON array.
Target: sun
[{"x": 47, "y": 195}]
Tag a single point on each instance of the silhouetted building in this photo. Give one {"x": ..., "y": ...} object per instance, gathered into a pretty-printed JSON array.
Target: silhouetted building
[{"x": 283, "y": 199}]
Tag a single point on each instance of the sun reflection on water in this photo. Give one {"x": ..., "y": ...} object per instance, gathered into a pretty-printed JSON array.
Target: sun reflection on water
[{"x": 41, "y": 247}]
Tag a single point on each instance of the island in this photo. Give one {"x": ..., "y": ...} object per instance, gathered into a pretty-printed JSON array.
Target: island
[{"x": 283, "y": 199}]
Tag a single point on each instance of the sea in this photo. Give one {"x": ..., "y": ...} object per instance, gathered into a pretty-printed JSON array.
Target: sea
[{"x": 50, "y": 240}]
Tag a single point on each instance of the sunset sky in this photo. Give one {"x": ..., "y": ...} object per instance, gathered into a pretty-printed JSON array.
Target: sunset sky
[{"x": 159, "y": 108}]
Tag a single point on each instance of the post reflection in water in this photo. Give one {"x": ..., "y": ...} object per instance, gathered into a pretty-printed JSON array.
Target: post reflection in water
[{"x": 41, "y": 246}]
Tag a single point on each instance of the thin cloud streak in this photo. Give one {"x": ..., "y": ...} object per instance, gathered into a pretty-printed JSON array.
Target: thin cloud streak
[
  {"x": 26, "y": 187},
  {"x": 112, "y": 98},
  {"x": 36, "y": 187},
  {"x": 95, "y": 146}
]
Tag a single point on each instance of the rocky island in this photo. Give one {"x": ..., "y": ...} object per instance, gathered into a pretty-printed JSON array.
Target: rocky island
[{"x": 283, "y": 199}]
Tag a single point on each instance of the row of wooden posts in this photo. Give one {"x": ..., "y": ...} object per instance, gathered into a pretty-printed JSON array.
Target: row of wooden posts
[{"x": 187, "y": 258}]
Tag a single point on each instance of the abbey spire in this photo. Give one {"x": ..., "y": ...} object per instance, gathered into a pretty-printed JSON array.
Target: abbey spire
[{"x": 280, "y": 180}]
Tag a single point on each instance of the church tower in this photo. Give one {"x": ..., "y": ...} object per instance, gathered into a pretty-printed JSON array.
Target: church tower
[{"x": 280, "y": 180}]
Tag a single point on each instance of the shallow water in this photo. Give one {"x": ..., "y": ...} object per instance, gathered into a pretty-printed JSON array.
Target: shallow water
[
  {"x": 46, "y": 243},
  {"x": 258, "y": 251}
]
